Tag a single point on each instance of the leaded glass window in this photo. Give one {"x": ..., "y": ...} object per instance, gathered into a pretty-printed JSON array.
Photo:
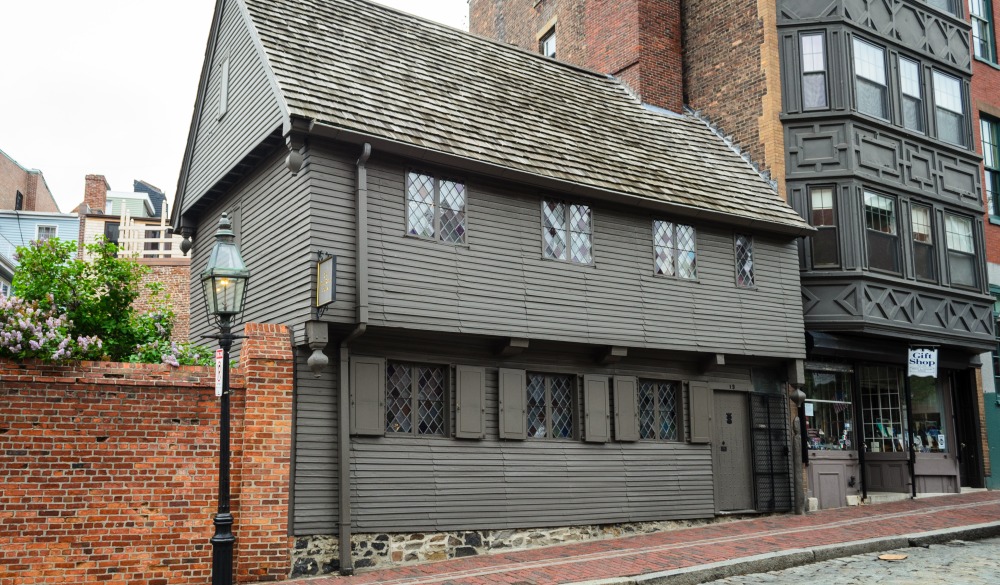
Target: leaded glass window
[
  {"x": 882, "y": 233},
  {"x": 909, "y": 84},
  {"x": 415, "y": 399},
  {"x": 923, "y": 242},
  {"x": 990, "y": 131},
  {"x": 658, "y": 410},
  {"x": 813, "y": 71},
  {"x": 435, "y": 208},
  {"x": 961, "y": 250},
  {"x": 550, "y": 405},
  {"x": 983, "y": 41},
  {"x": 822, "y": 215},
  {"x": 745, "y": 277},
  {"x": 674, "y": 249},
  {"x": 869, "y": 79},
  {"x": 567, "y": 232},
  {"x": 948, "y": 110}
]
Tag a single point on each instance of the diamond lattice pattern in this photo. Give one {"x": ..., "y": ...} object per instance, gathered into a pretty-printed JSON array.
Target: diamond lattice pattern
[
  {"x": 663, "y": 247},
  {"x": 398, "y": 399},
  {"x": 452, "y": 212},
  {"x": 658, "y": 410},
  {"x": 430, "y": 399},
  {"x": 744, "y": 261},
  {"x": 554, "y": 229},
  {"x": 581, "y": 229},
  {"x": 536, "y": 406},
  {"x": 420, "y": 205},
  {"x": 686, "y": 264},
  {"x": 562, "y": 406}
]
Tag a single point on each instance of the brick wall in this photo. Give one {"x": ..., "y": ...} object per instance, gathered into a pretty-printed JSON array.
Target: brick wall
[
  {"x": 110, "y": 471},
  {"x": 95, "y": 192},
  {"x": 175, "y": 276},
  {"x": 31, "y": 184},
  {"x": 985, "y": 90}
]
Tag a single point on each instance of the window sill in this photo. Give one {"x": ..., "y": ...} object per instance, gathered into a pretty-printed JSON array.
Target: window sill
[
  {"x": 995, "y": 219},
  {"x": 569, "y": 262},
  {"x": 676, "y": 278},
  {"x": 435, "y": 241},
  {"x": 987, "y": 62}
]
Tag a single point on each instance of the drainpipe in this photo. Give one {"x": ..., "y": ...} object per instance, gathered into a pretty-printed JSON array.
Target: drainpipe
[{"x": 344, "y": 406}]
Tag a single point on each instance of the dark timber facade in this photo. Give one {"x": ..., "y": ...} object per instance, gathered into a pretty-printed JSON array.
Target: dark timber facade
[
  {"x": 862, "y": 112},
  {"x": 549, "y": 296}
]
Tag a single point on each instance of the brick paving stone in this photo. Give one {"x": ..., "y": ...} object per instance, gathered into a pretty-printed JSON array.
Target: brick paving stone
[{"x": 662, "y": 551}]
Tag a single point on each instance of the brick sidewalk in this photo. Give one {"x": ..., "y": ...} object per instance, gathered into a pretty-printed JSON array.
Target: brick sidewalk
[{"x": 635, "y": 555}]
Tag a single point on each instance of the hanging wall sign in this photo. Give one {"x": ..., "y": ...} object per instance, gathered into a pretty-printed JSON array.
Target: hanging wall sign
[
  {"x": 326, "y": 283},
  {"x": 923, "y": 362}
]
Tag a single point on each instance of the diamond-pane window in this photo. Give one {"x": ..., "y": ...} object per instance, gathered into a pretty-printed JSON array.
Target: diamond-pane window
[
  {"x": 550, "y": 405},
  {"x": 415, "y": 399},
  {"x": 674, "y": 250},
  {"x": 658, "y": 410},
  {"x": 744, "y": 261},
  {"x": 567, "y": 232},
  {"x": 435, "y": 208}
]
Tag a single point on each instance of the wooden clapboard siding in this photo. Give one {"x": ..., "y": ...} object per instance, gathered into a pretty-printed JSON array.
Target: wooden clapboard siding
[
  {"x": 499, "y": 284},
  {"x": 253, "y": 109},
  {"x": 315, "y": 489},
  {"x": 273, "y": 234}
]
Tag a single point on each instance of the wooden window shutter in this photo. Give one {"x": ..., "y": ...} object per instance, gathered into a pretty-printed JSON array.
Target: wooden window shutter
[
  {"x": 596, "y": 412},
  {"x": 470, "y": 402},
  {"x": 626, "y": 409},
  {"x": 513, "y": 395},
  {"x": 367, "y": 396},
  {"x": 700, "y": 399}
]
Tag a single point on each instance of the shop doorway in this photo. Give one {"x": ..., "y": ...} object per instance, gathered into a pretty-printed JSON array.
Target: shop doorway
[
  {"x": 731, "y": 453},
  {"x": 965, "y": 413}
]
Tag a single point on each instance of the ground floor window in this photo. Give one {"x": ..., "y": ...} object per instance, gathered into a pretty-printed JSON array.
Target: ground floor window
[
  {"x": 658, "y": 401},
  {"x": 550, "y": 406},
  {"x": 829, "y": 418},
  {"x": 882, "y": 408},
  {"x": 415, "y": 398},
  {"x": 929, "y": 434}
]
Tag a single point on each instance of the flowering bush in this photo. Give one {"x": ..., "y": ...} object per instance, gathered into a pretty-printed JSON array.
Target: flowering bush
[
  {"x": 29, "y": 331},
  {"x": 172, "y": 353}
]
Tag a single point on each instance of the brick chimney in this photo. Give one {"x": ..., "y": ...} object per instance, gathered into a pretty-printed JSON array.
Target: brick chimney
[{"x": 95, "y": 193}]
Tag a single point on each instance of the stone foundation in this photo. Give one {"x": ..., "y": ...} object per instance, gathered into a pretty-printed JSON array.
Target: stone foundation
[{"x": 317, "y": 555}]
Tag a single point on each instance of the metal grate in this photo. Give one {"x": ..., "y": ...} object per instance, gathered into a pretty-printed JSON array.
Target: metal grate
[
  {"x": 452, "y": 212},
  {"x": 772, "y": 469},
  {"x": 744, "y": 261}
]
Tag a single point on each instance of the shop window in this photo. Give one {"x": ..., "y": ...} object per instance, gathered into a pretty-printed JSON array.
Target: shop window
[
  {"x": 415, "y": 401},
  {"x": 813, "y": 71},
  {"x": 869, "y": 79},
  {"x": 823, "y": 217},
  {"x": 913, "y": 103},
  {"x": 674, "y": 249},
  {"x": 882, "y": 410},
  {"x": 435, "y": 208},
  {"x": 961, "y": 250},
  {"x": 983, "y": 41},
  {"x": 923, "y": 242},
  {"x": 948, "y": 110},
  {"x": 550, "y": 400},
  {"x": 567, "y": 232},
  {"x": 829, "y": 411},
  {"x": 929, "y": 433},
  {"x": 882, "y": 233},
  {"x": 990, "y": 131}
]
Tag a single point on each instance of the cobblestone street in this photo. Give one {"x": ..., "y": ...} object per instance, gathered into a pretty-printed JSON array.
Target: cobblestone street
[{"x": 956, "y": 563}]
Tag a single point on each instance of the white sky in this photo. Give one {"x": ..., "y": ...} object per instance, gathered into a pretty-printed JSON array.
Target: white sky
[{"x": 108, "y": 86}]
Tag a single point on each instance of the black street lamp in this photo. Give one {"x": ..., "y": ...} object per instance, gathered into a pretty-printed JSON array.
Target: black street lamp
[{"x": 225, "y": 283}]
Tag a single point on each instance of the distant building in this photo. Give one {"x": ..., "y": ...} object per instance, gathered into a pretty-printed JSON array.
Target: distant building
[{"x": 23, "y": 189}]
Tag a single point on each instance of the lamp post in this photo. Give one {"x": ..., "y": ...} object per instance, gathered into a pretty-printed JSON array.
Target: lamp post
[{"x": 225, "y": 284}]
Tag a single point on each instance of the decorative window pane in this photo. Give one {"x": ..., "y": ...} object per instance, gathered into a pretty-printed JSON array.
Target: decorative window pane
[
  {"x": 415, "y": 399},
  {"x": 744, "y": 261},
  {"x": 961, "y": 250},
  {"x": 813, "y": 71},
  {"x": 883, "y": 242},
  {"x": 658, "y": 412},
  {"x": 46, "y": 232},
  {"x": 829, "y": 415},
  {"x": 825, "y": 243},
  {"x": 674, "y": 249},
  {"x": 909, "y": 82},
  {"x": 923, "y": 242},
  {"x": 869, "y": 78},
  {"x": 990, "y": 131},
  {"x": 550, "y": 405},
  {"x": 567, "y": 232},
  {"x": 435, "y": 208},
  {"x": 983, "y": 42},
  {"x": 949, "y": 113},
  {"x": 883, "y": 415}
]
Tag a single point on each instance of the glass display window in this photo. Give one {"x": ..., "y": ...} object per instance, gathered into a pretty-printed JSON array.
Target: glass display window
[
  {"x": 829, "y": 410},
  {"x": 929, "y": 422},
  {"x": 882, "y": 408}
]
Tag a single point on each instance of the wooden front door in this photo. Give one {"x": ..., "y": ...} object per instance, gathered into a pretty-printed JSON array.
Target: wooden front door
[{"x": 731, "y": 453}]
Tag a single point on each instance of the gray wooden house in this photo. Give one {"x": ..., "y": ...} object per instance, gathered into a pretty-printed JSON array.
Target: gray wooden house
[{"x": 554, "y": 305}]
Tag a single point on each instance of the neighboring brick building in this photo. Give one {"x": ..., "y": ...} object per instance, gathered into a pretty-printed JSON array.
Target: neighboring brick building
[
  {"x": 23, "y": 189},
  {"x": 860, "y": 111}
]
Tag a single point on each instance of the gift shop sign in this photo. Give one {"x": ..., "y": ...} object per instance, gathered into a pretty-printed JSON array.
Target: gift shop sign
[{"x": 923, "y": 363}]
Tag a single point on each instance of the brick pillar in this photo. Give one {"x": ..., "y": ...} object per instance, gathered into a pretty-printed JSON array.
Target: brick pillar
[
  {"x": 262, "y": 453},
  {"x": 95, "y": 193}
]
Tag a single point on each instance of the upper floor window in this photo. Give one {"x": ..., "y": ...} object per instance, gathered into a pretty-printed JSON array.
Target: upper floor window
[
  {"x": 961, "y": 250},
  {"x": 823, "y": 217},
  {"x": 949, "y": 6},
  {"x": 869, "y": 79},
  {"x": 983, "y": 41},
  {"x": 882, "y": 232},
  {"x": 46, "y": 232},
  {"x": 567, "y": 232},
  {"x": 18, "y": 201},
  {"x": 674, "y": 249},
  {"x": 550, "y": 401},
  {"x": 223, "y": 89},
  {"x": 813, "y": 71},
  {"x": 923, "y": 242},
  {"x": 415, "y": 399},
  {"x": 990, "y": 130},
  {"x": 910, "y": 88},
  {"x": 547, "y": 44},
  {"x": 435, "y": 208},
  {"x": 745, "y": 277},
  {"x": 948, "y": 111}
]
